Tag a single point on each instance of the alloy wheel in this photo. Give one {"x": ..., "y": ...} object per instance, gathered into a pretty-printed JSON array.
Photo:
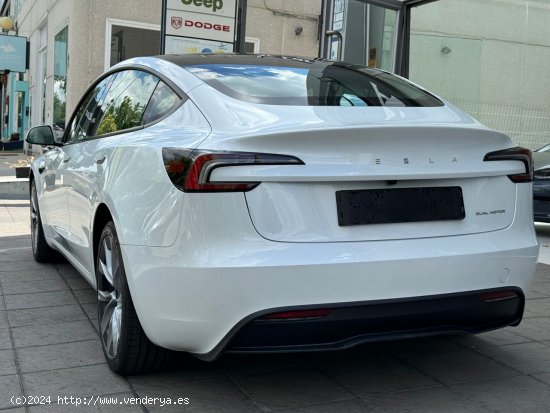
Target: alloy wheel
[
  {"x": 34, "y": 219},
  {"x": 109, "y": 296}
]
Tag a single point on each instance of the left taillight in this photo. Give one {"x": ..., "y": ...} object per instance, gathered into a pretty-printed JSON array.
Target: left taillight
[
  {"x": 190, "y": 170},
  {"x": 515, "y": 154}
]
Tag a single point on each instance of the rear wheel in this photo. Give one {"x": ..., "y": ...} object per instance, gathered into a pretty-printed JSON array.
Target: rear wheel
[
  {"x": 41, "y": 251},
  {"x": 125, "y": 345}
]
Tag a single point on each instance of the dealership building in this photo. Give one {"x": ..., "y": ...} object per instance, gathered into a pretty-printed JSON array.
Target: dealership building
[{"x": 489, "y": 57}]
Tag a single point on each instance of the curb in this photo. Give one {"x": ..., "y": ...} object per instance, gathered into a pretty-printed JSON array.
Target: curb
[{"x": 18, "y": 187}]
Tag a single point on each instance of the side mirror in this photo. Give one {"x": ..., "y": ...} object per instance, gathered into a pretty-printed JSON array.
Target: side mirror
[{"x": 42, "y": 135}]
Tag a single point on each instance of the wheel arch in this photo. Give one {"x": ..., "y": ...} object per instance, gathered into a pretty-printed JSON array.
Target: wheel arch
[{"x": 101, "y": 218}]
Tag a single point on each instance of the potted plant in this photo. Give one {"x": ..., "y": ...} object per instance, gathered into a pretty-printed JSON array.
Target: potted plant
[{"x": 22, "y": 166}]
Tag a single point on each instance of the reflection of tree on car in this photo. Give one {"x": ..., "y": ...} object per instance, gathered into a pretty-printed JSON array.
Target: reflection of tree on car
[{"x": 124, "y": 114}]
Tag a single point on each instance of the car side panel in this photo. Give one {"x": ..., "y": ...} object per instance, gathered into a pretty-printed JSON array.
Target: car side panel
[{"x": 143, "y": 201}]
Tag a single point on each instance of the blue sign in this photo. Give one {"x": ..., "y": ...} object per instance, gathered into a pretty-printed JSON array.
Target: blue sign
[{"x": 13, "y": 53}]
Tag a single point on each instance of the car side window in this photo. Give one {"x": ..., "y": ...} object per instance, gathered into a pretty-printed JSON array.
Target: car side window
[
  {"x": 84, "y": 122},
  {"x": 163, "y": 101},
  {"x": 126, "y": 101}
]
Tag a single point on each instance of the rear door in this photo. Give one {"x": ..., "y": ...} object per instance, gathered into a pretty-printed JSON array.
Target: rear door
[{"x": 118, "y": 110}]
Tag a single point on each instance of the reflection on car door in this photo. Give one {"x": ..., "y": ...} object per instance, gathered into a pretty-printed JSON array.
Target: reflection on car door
[
  {"x": 119, "y": 110},
  {"x": 80, "y": 128},
  {"x": 55, "y": 209}
]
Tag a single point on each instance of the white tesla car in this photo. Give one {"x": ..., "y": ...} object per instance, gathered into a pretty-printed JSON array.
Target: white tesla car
[{"x": 260, "y": 204}]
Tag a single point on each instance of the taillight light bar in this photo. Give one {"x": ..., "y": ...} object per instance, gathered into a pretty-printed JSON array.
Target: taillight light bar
[
  {"x": 299, "y": 314},
  {"x": 190, "y": 170},
  {"x": 493, "y": 296},
  {"x": 515, "y": 154}
]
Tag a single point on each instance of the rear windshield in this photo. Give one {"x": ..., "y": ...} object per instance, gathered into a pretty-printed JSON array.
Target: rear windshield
[{"x": 320, "y": 84}]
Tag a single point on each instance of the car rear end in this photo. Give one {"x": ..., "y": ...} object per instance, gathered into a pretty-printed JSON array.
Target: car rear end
[{"x": 313, "y": 227}]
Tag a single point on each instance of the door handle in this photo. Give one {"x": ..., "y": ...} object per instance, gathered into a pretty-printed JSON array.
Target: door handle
[
  {"x": 100, "y": 160},
  {"x": 66, "y": 158}
]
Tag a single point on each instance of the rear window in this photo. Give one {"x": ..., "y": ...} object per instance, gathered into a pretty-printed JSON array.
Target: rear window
[{"x": 319, "y": 84}]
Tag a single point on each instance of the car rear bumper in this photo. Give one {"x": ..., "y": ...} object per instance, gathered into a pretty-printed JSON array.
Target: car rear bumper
[
  {"x": 199, "y": 309},
  {"x": 350, "y": 324},
  {"x": 194, "y": 295}
]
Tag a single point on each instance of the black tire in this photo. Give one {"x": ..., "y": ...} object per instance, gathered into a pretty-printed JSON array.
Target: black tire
[
  {"x": 41, "y": 251},
  {"x": 130, "y": 352}
]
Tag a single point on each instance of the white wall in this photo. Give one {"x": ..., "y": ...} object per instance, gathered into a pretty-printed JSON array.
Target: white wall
[{"x": 498, "y": 65}]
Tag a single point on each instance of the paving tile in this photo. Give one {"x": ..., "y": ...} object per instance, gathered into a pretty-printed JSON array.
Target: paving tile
[
  {"x": 528, "y": 358},
  {"x": 47, "y": 315},
  {"x": 29, "y": 287},
  {"x": 8, "y": 266},
  {"x": 536, "y": 328},
  {"x": 14, "y": 242},
  {"x": 45, "y": 334},
  {"x": 422, "y": 345},
  {"x": 436, "y": 400},
  {"x": 217, "y": 396},
  {"x": 500, "y": 337},
  {"x": 78, "y": 284},
  {"x": 515, "y": 394},
  {"x": 250, "y": 365},
  {"x": 60, "y": 356},
  {"x": 544, "y": 377},
  {"x": 379, "y": 376},
  {"x": 7, "y": 363},
  {"x": 26, "y": 275},
  {"x": 38, "y": 300},
  {"x": 542, "y": 276},
  {"x": 183, "y": 369},
  {"x": 86, "y": 296},
  {"x": 78, "y": 382},
  {"x": 364, "y": 352},
  {"x": 90, "y": 310},
  {"x": 460, "y": 367},
  {"x": 5, "y": 340},
  {"x": 292, "y": 389},
  {"x": 9, "y": 387},
  {"x": 3, "y": 319},
  {"x": 16, "y": 254},
  {"x": 348, "y": 406},
  {"x": 66, "y": 270},
  {"x": 539, "y": 290},
  {"x": 120, "y": 402}
]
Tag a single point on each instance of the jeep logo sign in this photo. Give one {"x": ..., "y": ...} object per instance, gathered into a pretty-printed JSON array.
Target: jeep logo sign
[
  {"x": 215, "y": 5},
  {"x": 224, "y": 8}
]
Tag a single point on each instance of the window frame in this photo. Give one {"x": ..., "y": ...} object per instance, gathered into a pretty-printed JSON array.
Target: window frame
[
  {"x": 125, "y": 23},
  {"x": 183, "y": 98}
]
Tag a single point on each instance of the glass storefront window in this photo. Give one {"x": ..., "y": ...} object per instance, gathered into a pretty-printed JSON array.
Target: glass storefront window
[
  {"x": 368, "y": 34},
  {"x": 60, "y": 79},
  {"x": 127, "y": 42}
]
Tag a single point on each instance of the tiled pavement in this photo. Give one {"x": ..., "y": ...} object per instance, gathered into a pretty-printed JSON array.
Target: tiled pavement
[{"x": 49, "y": 347}]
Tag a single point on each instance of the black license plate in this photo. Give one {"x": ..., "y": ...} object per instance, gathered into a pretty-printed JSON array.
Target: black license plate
[{"x": 384, "y": 206}]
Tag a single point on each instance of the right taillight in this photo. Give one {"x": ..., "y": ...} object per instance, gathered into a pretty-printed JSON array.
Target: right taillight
[
  {"x": 190, "y": 170},
  {"x": 515, "y": 154}
]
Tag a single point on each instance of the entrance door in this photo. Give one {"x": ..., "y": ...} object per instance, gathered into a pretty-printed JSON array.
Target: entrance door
[
  {"x": 373, "y": 33},
  {"x": 19, "y": 108}
]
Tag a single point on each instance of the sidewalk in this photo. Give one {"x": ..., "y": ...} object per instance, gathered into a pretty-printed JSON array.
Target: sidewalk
[{"x": 49, "y": 347}]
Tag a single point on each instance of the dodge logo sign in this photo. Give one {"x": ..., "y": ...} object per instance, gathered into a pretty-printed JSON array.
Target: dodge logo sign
[{"x": 176, "y": 22}]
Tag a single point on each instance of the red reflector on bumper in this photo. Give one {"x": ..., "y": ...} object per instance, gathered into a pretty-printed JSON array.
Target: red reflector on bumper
[
  {"x": 498, "y": 296},
  {"x": 299, "y": 314}
]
